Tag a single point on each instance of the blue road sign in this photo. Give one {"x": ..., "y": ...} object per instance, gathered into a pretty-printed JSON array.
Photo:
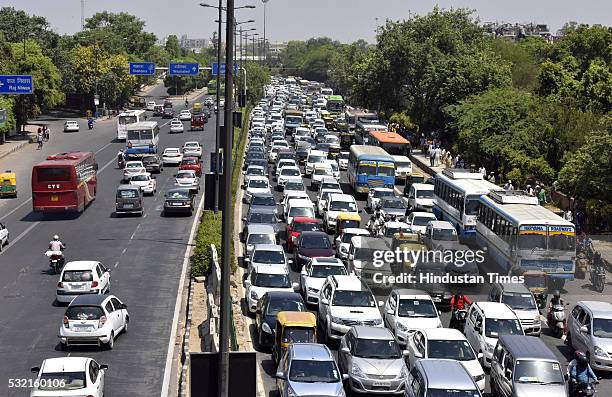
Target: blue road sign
[
  {"x": 184, "y": 69},
  {"x": 16, "y": 84},
  {"x": 215, "y": 69},
  {"x": 142, "y": 68}
]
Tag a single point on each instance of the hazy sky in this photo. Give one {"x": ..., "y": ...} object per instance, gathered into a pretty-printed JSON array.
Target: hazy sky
[{"x": 344, "y": 20}]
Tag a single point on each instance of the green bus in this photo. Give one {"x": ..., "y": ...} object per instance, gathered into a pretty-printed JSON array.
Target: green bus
[
  {"x": 335, "y": 104},
  {"x": 212, "y": 87}
]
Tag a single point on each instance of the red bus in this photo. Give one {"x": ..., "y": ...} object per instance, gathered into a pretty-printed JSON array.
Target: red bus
[{"x": 64, "y": 182}]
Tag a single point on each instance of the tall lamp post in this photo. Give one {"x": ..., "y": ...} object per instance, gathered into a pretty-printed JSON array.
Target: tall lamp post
[
  {"x": 265, "y": 52},
  {"x": 253, "y": 40}
]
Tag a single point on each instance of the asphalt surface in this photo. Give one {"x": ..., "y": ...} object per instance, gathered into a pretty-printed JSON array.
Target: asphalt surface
[
  {"x": 574, "y": 291},
  {"x": 145, "y": 256}
]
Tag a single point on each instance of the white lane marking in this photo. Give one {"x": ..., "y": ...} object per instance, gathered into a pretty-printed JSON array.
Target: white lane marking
[
  {"x": 22, "y": 235},
  {"x": 177, "y": 306},
  {"x": 116, "y": 264},
  {"x": 123, "y": 252},
  {"x": 15, "y": 209},
  {"x": 103, "y": 147},
  {"x": 135, "y": 230}
]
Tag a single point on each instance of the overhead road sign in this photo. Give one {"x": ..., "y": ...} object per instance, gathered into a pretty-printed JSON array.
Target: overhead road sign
[
  {"x": 142, "y": 68},
  {"x": 183, "y": 69},
  {"x": 215, "y": 69},
  {"x": 16, "y": 84}
]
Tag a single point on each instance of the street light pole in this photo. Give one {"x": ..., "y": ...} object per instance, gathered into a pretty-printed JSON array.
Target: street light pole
[
  {"x": 264, "y": 30},
  {"x": 218, "y": 102}
]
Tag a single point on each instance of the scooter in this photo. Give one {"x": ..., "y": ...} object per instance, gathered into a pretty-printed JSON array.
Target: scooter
[
  {"x": 556, "y": 320},
  {"x": 458, "y": 318},
  {"x": 598, "y": 278},
  {"x": 56, "y": 260}
]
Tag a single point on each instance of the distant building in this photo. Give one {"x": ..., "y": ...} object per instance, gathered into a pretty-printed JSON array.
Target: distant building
[
  {"x": 275, "y": 48},
  {"x": 195, "y": 45},
  {"x": 517, "y": 31}
]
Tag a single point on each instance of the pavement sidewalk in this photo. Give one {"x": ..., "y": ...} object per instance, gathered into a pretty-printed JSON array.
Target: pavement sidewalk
[{"x": 423, "y": 162}]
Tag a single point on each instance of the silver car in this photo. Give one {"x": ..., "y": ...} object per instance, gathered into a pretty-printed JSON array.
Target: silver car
[
  {"x": 373, "y": 361},
  {"x": 309, "y": 369}
]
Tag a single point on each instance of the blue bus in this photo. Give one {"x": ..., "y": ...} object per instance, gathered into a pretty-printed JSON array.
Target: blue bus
[
  {"x": 370, "y": 167},
  {"x": 142, "y": 138}
]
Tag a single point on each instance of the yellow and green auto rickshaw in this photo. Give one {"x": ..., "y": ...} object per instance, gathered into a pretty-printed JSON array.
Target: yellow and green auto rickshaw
[
  {"x": 537, "y": 282},
  {"x": 8, "y": 184},
  {"x": 346, "y": 220},
  {"x": 293, "y": 327}
]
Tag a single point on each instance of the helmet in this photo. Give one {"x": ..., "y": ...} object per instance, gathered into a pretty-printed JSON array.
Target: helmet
[
  {"x": 581, "y": 358},
  {"x": 55, "y": 237},
  {"x": 557, "y": 294}
]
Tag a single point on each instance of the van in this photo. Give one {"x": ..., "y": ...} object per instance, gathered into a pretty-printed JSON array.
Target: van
[
  {"x": 524, "y": 366},
  {"x": 485, "y": 323},
  {"x": 129, "y": 200},
  {"x": 588, "y": 330},
  {"x": 420, "y": 197},
  {"x": 403, "y": 167},
  {"x": 522, "y": 301}
]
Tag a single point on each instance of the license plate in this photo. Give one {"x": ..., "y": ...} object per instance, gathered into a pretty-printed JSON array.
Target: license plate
[
  {"x": 436, "y": 299},
  {"x": 54, "y": 198},
  {"x": 82, "y": 328},
  {"x": 381, "y": 384},
  {"x": 78, "y": 287},
  {"x": 177, "y": 204},
  {"x": 128, "y": 205}
]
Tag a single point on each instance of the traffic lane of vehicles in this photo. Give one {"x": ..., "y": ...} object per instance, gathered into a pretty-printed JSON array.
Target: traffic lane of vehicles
[{"x": 130, "y": 241}]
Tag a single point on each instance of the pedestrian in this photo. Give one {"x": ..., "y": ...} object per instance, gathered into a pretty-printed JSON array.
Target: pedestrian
[
  {"x": 529, "y": 190},
  {"x": 542, "y": 196},
  {"x": 39, "y": 139},
  {"x": 509, "y": 185},
  {"x": 567, "y": 215},
  {"x": 483, "y": 171},
  {"x": 46, "y": 133},
  {"x": 437, "y": 156},
  {"x": 492, "y": 177}
]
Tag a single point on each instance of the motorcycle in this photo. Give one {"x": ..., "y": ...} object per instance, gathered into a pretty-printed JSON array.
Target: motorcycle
[
  {"x": 56, "y": 260},
  {"x": 458, "y": 318},
  {"x": 598, "y": 278},
  {"x": 583, "y": 389},
  {"x": 556, "y": 320}
]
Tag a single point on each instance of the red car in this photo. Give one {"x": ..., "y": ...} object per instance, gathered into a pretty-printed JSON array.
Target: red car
[
  {"x": 191, "y": 163},
  {"x": 298, "y": 225}
]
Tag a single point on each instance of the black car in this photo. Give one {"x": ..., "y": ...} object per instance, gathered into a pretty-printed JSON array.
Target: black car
[
  {"x": 250, "y": 156},
  {"x": 179, "y": 200},
  {"x": 168, "y": 113},
  {"x": 311, "y": 245},
  {"x": 268, "y": 307},
  {"x": 153, "y": 164}
]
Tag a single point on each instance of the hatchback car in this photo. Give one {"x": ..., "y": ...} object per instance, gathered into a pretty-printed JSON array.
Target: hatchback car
[
  {"x": 168, "y": 113},
  {"x": 187, "y": 179},
  {"x": 298, "y": 225},
  {"x": 133, "y": 168},
  {"x": 315, "y": 273},
  {"x": 312, "y": 245},
  {"x": 257, "y": 185},
  {"x": 94, "y": 320},
  {"x": 172, "y": 156},
  {"x": 82, "y": 278},
  {"x": 69, "y": 376},
  {"x": 178, "y": 200},
  {"x": 176, "y": 125},
  {"x": 270, "y": 304},
  {"x": 258, "y": 234},
  {"x": 407, "y": 310},
  {"x": 153, "y": 164},
  {"x": 266, "y": 277},
  {"x": 191, "y": 163},
  {"x": 71, "y": 126},
  {"x": 185, "y": 115},
  {"x": 438, "y": 377},
  {"x": 264, "y": 200},
  {"x": 128, "y": 200},
  {"x": 147, "y": 183}
]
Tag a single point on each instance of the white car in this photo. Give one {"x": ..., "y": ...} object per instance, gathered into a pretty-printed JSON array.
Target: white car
[
  {"x": 133, "y": 168},
  {"x": 407, "y": 310},
  {"x": 299, "y": 207},
  {"x": 187, "y": 179},
  {"x": 185, "y": 115},
  {"x": 322, "y": 199},
  {"x": 251, "y": 171},
  {"x": 335, "y": 168},
  {"x": 417, "y": 221},
  {"x": 176, "y": 125},
  {"x": 257, "y": 184},
  {"x": 338, "y": 203},
  {"x": 343, "y": 160},
  {"x": 445, "y": 343},
  {"x": 172, "y": 155},
  {"x": 147, "y": 183},
  {"x": 315, "y": 273},
  {"x": 69, "y": 376},
  {"x": 320, "y": 171},
  {"x": 4, "y": 237},
  {"x": 376, "y": 194},
  {"x": 343, "y": 241},
  {"x": 403, "y": 167},
  {"x": 264, "y": 278},
  {"x": 151, "y": 106},
  {"x": 80, "y": 278},
  {"x": 93, "y": 320},
  {"x": 288, "y": 173},
  {"x": 314, "y": 156},
  {"x": 71, "y": 126},
  {"x": 192, "y": 148},
  {"x": 284, "y": 163}
]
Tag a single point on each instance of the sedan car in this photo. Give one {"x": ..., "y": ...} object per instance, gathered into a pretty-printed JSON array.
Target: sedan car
[
  {"x": 168, "y": 113},
  {"x": 263, "y": 200},
  {"x": 94, "y": 320},
  {"x": 176, "y": 125},
  {"x": 153, "y": 164},
  {"x": 150, "y": 106},
  {"x": 133, "y": 168},
  {"x": 376, "y": 194},
  {"x": 71, "y": 126},
  {"x": 417, "y": 221},
  {"x": 262, "y": 216},
  {"x": 393, "y": 207},
  {"x": 187, "y": 179},
  {"x": 69, "y": 376},
  {"x": 263, "y": 278},
  {"x": 147, "y": 183},
  {"x": 191, "y": 163},
  {"x": 185, "y": 115},
  {"x": 172, "y": 156},
  {"x": 82, "y": 278},
  {"x": 270, "y": 304},
  {"x": 192, "y": 148},
  {"x": 178, "y": 200},
  {"x": 257, "y": 184}
]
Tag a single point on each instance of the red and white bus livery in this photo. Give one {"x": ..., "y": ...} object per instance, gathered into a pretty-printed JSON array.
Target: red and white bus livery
[{"x": 64, "y": 182}]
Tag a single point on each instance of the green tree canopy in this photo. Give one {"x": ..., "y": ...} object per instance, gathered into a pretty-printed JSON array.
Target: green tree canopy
[{"x": 173, "y": 47}]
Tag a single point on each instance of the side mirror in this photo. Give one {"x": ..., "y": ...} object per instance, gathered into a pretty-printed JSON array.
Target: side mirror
[
  {"x": 289, "y": 260},
  {"x": 477, "y": 329},
  {"x": 324, "y": 301},
  {"x": 508, "y": 373},
  {"x": 584, "y": 329},
  {"x": 104, "y": 366},
  {"x": 280, "y": 375},
  {"x": 244, "y": 218},
  {"x": 405, "y": 353},
  {"x": 381, "y": 303},
  {"x": 247, "y": 283},
  {"x": 35, "y": 369},
  {"x": 296, "y": 286},
  {"x": 123, "y": 306},
  {"x": 345, "y": 350}
]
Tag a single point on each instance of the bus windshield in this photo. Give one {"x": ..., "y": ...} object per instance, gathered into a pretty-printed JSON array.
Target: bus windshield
[
  {"x": 140, "y": 135},
  {"x": 471, "y": 205},
  {"x": 532, "y": 240},
  {"x": 367, "y": 169},
  {"x": 386, "y": 169},
  {"x": 124, "y": 120},
  {"x": 55, "y": 174}
]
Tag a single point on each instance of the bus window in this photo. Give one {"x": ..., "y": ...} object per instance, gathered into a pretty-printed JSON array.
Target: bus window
[
  {"x": 367, "y": 169},
  {"x": 56, "y": 174},
  {"x": 386, "y": 169}
]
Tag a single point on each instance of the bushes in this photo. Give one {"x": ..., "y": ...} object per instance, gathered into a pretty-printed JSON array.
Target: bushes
[{"x": 209, "y": 232}]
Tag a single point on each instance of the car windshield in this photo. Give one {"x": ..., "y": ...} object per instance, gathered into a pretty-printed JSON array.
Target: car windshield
[
  {"x": 265, "y": 256},
  {"x": 262, "y": 217},
  {"x": 84, "y": 313},
  {"x": 365, "y": 254},
  {"x": 298, "y": 185},
  {"x": 316, "y": 159},
  {"x": 306, "y": 227},
  {"x": 347, "y": 206},
  {"x": 382, "y": 193},
  {"x": 178, "y": 194},
  {"x": 322, "y": 271},
  {"x": 171, "y": 151},
  {"x": 255, "y": 155},
  {"x": 422, "y": 220},
  {"x": 149, "y": 159},
  {"x": 192, "y": 146},
  {"x": 391, "y": 230},
  {"x": 263, "y": 200},
  {"x": 354, "y": 299},
  {"x": 261, "y": 239},
  {"x": 322, "y": 171},
  {"x": 416, "y": 308},
  {"x": 290, "y": 172},
  {"x": 377, "y": 348},
  {"x": 519, "y": 301},
  {"x": 459, "y": 350},
  {"x": 452, "y": 393},
  {"x": 140, "y": 178},
  {"x": 538, "y": 371},
  {"x": 302, "y": 211},
  {"x": 395, "y": 204},
  {"x": 185, "y": 174},
  {"x": 127, "y": 193},
  {"x": 330, "y": 185},
  {"x": 444, "y": 234},
  {"x": 346, "y": 237},
  {"x": 133, "y": 165},
  {"x": 311, "y": 371},
  {"x": 424, "y": 193},
  {"x": 284, "y": 305},
  {"x": 77, "y": 276},
  {"x": 190, "y": 161},
  {"x": 495, "y": 327},
  {"x": 258, "y": 183},
  {"x": 271, "y": 280},
  {"x": 344, "y": 155},
  {"x": 315, "y": 242},
  {"x": 602, "y": 328},
  {"x": 61, "y": 381},
  {"x": 255, "y": 171}
]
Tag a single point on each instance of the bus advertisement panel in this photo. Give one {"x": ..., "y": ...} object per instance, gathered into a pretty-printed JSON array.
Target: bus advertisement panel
[
  {"x": 370, "y": 167},
  {"x": 126, "y": 118}
]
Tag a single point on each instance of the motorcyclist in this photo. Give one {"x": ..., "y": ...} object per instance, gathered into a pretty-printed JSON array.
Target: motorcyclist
[
  {"x": 555, "y": 300},
  {"x": 458, "y": 302},
  {"x": 581, "y": 373},
  {"x": 90, "y": 122},
  {"x": 56, "y": 245},
  {"x": 120, "y": 159},
  {"x": 186, "y": 102}
]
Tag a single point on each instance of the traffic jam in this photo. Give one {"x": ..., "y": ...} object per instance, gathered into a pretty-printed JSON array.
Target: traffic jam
[{"x": 365, "y": 275}]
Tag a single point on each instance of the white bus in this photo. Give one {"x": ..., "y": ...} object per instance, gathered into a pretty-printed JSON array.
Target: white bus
[
  {"x": 126, "y": 118},
  {"x": 456, "y": 197},
  {"x": 142, "y": 138},
  {"x": 519, "y": 234}
]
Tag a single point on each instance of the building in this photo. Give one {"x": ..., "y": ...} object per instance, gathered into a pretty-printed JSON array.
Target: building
[
  {"x": 195, "y": 45},
  {"x": 517, "y": 31}
]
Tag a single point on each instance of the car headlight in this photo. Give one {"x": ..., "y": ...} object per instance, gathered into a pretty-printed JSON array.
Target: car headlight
[
  {"x": 343, "y": 249},
  {"x": 254, "y": 295},
  {"x": 356, "y": 371},
  {"x": 310, "y": 289},
  {"x": 336, "y": 320},
  {"x": 401, "y": 326},
  {"x": 377, "y": 321},
  {"x": 266, "y": 328},
  {"x": 537, "y": 318},
  {"x": 599, "y": 352}
]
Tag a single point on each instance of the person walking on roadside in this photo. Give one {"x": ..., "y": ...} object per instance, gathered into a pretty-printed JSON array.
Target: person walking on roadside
[
  {"x": 437, "y": 156},
  {"x": 542, "y": 196},
  {"x": 39, "y": 139},
  {"x": 46, "y": 133},
  {"x": 483, "y": 171},
  {"x": 509, "y": 185}
]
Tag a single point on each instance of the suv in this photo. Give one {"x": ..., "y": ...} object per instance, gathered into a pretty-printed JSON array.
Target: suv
[
  {"x": 521, "y": 300},
  {"x": 345, "y": 301},
  {"x": 588, "y": 330},
  {"x": 338, "y": 203},
  {"x": 315, "y": 273},
  {"x": 373, "y": 361},
  {"x": 433, "y": 377}
]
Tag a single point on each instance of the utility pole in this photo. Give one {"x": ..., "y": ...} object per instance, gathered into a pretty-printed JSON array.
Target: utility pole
[
  {"x": 265, "y": 53},
  {"x": 218, "y": 116},
  {"x": 82, "y": 14}
]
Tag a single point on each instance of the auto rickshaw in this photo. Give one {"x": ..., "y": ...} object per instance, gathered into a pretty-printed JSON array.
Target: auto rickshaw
[
  {"x": 345, "y": 220},
  {"x": 415, "y": 177},
  {"x": 293, "y": 327},
  {"x": 537, "y": 282},
  {"x": 406, "y": 242},
  {"x": 8, "y": 184}
]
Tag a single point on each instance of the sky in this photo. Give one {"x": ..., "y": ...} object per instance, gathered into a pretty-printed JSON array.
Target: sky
[{"x": 343, "y": 20}]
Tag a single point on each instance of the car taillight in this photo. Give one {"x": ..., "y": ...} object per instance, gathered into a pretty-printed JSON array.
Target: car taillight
[
  {"x": 102, "y": 321},
  {"x": 66, "y": 321},
  {"x": 94, "y": 284},
  {"x": 60, "y": 285}
]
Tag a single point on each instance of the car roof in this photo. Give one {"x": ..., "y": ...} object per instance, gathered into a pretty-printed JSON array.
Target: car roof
[
  {"x": 496, "y": 310},
  {"x": 262, "y": 209},
  {"x": 527, "y": 347},
  {"x": 347, "y": 282},
  {"x": 179, "y": 189},
  {"x": 446, "y": 374},
  {"x": 260, "y": 228},
  {"x": 313, "y": 233},
  {"x": 80, "y": 265},
  {"x": 424, "y": 186},
  {"x": 381, "y": 189},
  {"x": 89, "y": 299},
  {"x": 64, "y": 364},
  {"x": 270, "y": 268},
  {"x": 441, "y": 224},
  {"x": 263, "y": 194},
  {"x": 310, "y": 352},
  {"x": 598, "y": 309},
  {"x": 299, "y": 202},
  {"x": 412, "y": 293},
  {"x": 332, "y": 261},
  {"x": 392, "y": 198},
  {"x": 341, "y": 197},
  {"x": 127, "y": 187},
  {"x": 329, "y": 179},
  {"x": 305, "y": 219},
  {"x": 514, "y": 288},
  {"x": 284, "y": 295},
  {"x": 364, "y": 332},
  {"x": 442, "y": 334},
  {"x": 258, "y": 178},
  {"x": 268, "y": 247},
  {"x": 356, "y": 230},
  {"x": 425, "y": 214}
]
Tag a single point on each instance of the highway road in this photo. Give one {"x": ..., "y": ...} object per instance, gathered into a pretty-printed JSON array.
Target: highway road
[{"x": 145, "y": 256}]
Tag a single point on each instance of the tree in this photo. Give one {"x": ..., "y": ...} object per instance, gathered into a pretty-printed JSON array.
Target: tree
[
  {"x": 173, "y": 47},
  {"x": 17, "y": 25},
  {"x": 596, "y": 87},
  {"x": 523, "y": 61},
  {"x": 342, "y": 76},
  {"x": 8, "y": 105},
  {"x": 257, "y": 77}
]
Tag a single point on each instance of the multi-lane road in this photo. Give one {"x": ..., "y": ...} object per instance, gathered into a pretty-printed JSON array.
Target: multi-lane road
[{"x": 145, "y": 255}]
